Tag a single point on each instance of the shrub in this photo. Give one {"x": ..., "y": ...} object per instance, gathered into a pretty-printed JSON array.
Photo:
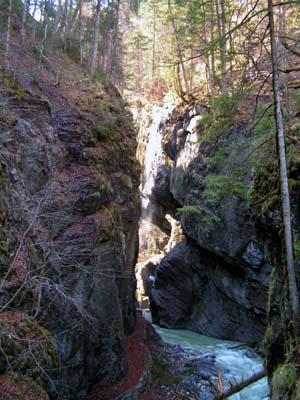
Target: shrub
[
  {"x": 101, "y": 132},
  {"x": 224, "y": 106},
  {"x": 105, "y": 131},
  {"x": 217, "y": 187},
  {"x": 221, "y": 117}
]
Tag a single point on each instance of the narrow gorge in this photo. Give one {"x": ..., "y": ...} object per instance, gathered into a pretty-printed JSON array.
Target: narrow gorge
[
  {"x": 149, "y": 200},
  {"x": 214, "y": 274}
]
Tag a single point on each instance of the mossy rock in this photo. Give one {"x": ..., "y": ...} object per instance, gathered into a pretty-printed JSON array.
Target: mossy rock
[
  {"x": 296, "y": 394},
  {"x": 15, "y": 386},
  {"x": 26, "y": 345},
  {"x": 124, "y": 179},
  {"x": 283, "y": 381},
  {"x": 105, "y": 131}
]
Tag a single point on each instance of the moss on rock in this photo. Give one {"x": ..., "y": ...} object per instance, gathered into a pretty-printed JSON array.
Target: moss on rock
[
  {"x": 15, "y": 386},
  {"x": 26, "y": 345},
  {"x": 283, "y": 381}
]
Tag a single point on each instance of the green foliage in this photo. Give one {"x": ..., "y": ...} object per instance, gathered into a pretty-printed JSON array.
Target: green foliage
[
  {"x": 105, "y": 131},
  {"x": 101, "y": 132},
  {"x": 296, "y": 394},
  {"x": 224, "y": 106},
  {"x": 218, "y": 158},
  {"x": 21, "y": 387},
  {"x": 221, "y": 117},
  {"x": 297, "y": 248},
  {"x": 17, "y": 8},
  {"x": 72, "y": 47},
  {"x": 100, "y": 76},
  {"x": 284, "y": 380},
  {"x": 218, "y": 187},
  {"x": 268, "y": 338},
  {"x": 263, "y": 135},
  {"x": 295, "y": 101},
  {"x": 272, "y": 287},
  {"x": 207, "y": 217},
  {"x": 264, "y": 126},
  {"x": 37, "y": 346}
]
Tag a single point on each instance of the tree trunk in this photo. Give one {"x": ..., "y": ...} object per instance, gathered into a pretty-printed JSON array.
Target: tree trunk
[
  {"x": 112, "y": 45},
  {"x": 94, "y": 52},
  {"x": 23, "y": 22},
  {"x": 8, "y": 31},
  {"x": 79, "y": 32},
  {"x": 220, "y": 10},
  {"x": 285, "y": 199},
  {"x": 38, "y": 71},
  {"x": 153, "y": 45},
  {"x": 33, "y": 17},
  {"x": 58, "y": 17},
  {"x": 212, "y": 57},
  {"x": 241, "y": 385},
  {"x": 178, "y": 52}
]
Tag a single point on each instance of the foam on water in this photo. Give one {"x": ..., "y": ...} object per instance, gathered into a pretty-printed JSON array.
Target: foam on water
[{"x": 235, "y": 362}]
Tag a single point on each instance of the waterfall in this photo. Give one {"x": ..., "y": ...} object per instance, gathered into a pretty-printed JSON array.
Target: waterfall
[{"x": 153, "y": 158}]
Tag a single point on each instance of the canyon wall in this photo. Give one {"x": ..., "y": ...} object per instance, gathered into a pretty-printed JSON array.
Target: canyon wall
[
  {"x": 69, "y": 232},
  {"x": 216, "y": 280}
]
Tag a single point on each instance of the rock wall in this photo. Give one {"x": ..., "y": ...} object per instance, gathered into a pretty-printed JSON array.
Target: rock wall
[
  {"x": 69, "y": 225},
  {"x": 215, "y": 281}
]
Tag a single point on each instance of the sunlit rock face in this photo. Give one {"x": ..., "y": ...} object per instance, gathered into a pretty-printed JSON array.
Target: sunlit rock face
[
  {"x": 159, "y": 230},
  {"x": 154, "y": 229},
  {"x": 214, "y": 281}
]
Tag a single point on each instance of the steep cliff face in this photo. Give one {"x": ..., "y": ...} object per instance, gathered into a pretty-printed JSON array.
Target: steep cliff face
[
  {"x": 69, "y": 222},
  {"x": 216, "y": 280}
]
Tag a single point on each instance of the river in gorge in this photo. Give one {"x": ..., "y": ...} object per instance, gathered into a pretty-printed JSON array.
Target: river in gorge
[{"x": 233, "y": 360}]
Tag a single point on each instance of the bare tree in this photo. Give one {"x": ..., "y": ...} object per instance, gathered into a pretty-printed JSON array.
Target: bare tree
[
  {"x": 285, "y": 199},
  {"x": 24, "y": 18},
  {"x": 8, "y": 31},
  {"x": 94, "y": 52},
  {"x": 221, "y": 20},
  {"x": 41, "y": 55}
]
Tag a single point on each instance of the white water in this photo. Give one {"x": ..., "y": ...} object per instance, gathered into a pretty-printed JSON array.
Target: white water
[
  {"x": 153, "y": 159},
  {"x": 234, "y": 363}
]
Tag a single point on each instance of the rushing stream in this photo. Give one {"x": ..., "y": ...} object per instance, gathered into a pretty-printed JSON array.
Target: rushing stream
[{"x": 234, "y": 362}]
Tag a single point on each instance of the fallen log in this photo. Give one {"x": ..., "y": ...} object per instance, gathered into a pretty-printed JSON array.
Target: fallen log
[{"x": 241, "y": 385}]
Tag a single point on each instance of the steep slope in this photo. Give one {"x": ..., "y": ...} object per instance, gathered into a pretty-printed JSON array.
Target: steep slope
[{"x": 69, "y": 219}]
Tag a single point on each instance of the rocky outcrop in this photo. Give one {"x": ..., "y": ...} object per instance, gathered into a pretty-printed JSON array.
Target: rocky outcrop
[
  {"x": 69, "y": 219},
  {"x": 215, "y": 282},
  {"x": 197, "y": 290}
]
